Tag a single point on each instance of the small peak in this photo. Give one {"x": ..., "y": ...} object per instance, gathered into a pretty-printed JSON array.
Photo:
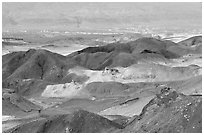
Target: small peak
[{"x": 166, "y": 96}]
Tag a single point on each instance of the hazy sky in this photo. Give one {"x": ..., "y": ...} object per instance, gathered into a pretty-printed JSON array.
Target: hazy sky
[{"x": 100, "y": 15}]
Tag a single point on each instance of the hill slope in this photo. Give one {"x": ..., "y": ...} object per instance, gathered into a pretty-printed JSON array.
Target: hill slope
[
  {"x": 78, "y": 122},
  {"x": 169, "y": 112}
]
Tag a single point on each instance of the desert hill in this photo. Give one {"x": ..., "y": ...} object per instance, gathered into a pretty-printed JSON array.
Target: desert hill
[
  {"x": 146, "y": 85},
  {"x": 78, "y": 122},
  {"x": 33, "y": 68},
  {"x": 191, "y": 45},
  {"x": 126, "y": 54},
  {"x": 169, "y": 112},
  {"x": 29, "y": 72},
  {"x": 123, "y": 54},
  {"x": 196, "y": 40},
  {"x": 38, "y": 64},
  {"x": 51, "y": 66},
  {"x": 15, "y": 105}
]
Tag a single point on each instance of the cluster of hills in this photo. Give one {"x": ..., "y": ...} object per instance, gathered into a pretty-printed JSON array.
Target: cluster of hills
[{"x": 146, "y": 85}]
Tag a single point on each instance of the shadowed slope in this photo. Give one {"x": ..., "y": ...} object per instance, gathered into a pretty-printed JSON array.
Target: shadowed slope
[
  {"x": 38, "y": 64},
  {"x": 77, "y": 122},
  {"x": 15, "y": 105},
  {"x": 123, "y": 54}
]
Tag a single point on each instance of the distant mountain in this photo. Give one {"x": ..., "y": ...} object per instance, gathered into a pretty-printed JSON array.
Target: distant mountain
[
  {"x": 126, "y": 54},
  {"x": 123, "y": 54},
  {"x": 191, "y": 45},
  {"x": 196, "y": 40}
]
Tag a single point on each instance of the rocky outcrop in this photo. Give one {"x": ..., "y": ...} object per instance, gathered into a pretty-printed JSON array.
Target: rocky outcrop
[{"x": 169, "y": 112}]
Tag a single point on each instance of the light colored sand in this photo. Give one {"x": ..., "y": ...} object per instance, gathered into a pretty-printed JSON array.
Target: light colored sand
[
  {"x": 133, "y": 74},
  {"x": 7, "y": 125},
  {"x": 62, "y": 90},
  {"x": 7, "y": 117}
]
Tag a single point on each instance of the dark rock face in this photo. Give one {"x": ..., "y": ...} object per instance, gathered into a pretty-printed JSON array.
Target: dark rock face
[
  {"x": 169, "y": 112},
  {"x": 148, "y": 51},
  {"x": 12, "y": 61}
]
